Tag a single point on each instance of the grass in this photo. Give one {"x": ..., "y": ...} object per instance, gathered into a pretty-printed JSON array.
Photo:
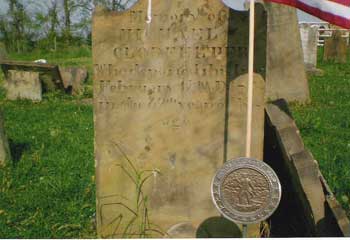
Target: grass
[
  {"x": 325, "y": 126},
  {"x": 76, "y": 56},
  {"x": 48, "y": 191}
]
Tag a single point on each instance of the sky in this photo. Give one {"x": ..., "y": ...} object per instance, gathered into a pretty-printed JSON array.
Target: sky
[{"x": 237, "y": 3}]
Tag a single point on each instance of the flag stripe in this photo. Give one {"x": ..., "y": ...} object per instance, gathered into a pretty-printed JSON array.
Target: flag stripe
[
  {"x": 330, "y": 11},
  {"x": 344, "y": 2}
]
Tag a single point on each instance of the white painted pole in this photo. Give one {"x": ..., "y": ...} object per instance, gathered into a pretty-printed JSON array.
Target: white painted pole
[{"x": 250, "y": 78}]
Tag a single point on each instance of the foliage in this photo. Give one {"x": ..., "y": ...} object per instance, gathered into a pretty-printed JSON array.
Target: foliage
[
  {"x": 16, "y": 27},
  {"x": 50, "y": 25},
  {"x": 140, "y": 224}
]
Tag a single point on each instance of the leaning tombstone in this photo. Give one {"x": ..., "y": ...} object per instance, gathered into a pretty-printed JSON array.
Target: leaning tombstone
[
  {"x": 5, "y": 154},
  {"x": 285, "y": 71},
  {"x": 308, "y": 207},
  {"x": 161, "y": 97},
  {"x": 23, "y": 85},
  {"x": 335, "y": 48}
]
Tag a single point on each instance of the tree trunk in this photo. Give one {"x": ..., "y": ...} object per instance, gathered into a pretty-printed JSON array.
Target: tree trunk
[
  {"x": 114, "y": 5},
  {"x": 53, "y": 23},
  {"x": 67, "y": 23}
]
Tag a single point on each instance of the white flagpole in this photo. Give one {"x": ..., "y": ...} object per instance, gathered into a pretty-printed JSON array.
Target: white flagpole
[{"x": 250, "y": 78}]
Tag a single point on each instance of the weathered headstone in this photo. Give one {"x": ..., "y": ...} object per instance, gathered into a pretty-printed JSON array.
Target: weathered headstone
[
  {"x": 335, "y": 48},
  {"x": 73, "y": 79},
  {"x": 49, "y": 74},
  {"x": 5, "y": 154},
  {"x": 309, "y": 39},
  {"x": 285, "y": 71},
  {"x": 23, "y": 85},
  {"x": 161, "y": 95},
  {"x": 238, "y": 117}
]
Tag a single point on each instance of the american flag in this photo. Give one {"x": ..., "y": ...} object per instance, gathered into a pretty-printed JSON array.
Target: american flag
[{"x": 336, "y": 12}]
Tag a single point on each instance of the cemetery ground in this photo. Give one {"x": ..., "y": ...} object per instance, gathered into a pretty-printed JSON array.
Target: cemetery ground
[{"x": 48, "y": 190}]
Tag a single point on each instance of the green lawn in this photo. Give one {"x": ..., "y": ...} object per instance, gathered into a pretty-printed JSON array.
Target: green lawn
[{"x": 48, "y": 191}]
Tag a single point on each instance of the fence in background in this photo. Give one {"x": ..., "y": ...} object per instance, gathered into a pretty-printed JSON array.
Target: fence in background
[{"x": 326, "y": 30}]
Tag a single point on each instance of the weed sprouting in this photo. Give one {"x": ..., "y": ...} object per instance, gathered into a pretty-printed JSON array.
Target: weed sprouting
[{"x": 139, "y": 225}]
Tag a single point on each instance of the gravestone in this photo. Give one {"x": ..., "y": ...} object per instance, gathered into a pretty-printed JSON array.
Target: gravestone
[
  {"x": 161, "y": 97},
  {"x": 73, "y": 79},
  {"x": 335, "y": 48},
  {"x": 238, "y": 116},
  {"x": 285, "y": 71},
  {"x": 49, "y": 74},
  {"x": 309, "y": 39},
  {"x": 23, "y": 85}
]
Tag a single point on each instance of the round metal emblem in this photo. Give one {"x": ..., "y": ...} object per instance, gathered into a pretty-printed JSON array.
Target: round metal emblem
[{"x": 246, "y": 190}]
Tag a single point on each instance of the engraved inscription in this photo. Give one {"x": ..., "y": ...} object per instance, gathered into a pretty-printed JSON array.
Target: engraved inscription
[{"x": 160, "y": 93}]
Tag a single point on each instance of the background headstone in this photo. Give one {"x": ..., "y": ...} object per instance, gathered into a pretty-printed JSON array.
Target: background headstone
[
  {"x": 161, "y": 91},
  {"x": 335, "y": 48},
  {"x": 73, "y": 79},
  {"x": 5, "y": 154},
  {"x": 285, "y": 74},
  {"x": 238, "y": 117},
  {"x": 23, "y": 85},
  {"x": 309, "y": 39},
  {"x": 49, "y": 74}
]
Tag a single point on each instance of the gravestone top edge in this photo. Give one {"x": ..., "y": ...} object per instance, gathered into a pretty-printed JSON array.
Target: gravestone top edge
[
  {"x": 28, "y": 64},
  {"x": 104, "y": 11}
]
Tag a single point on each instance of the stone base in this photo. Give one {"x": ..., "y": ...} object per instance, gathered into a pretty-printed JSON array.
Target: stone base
[{"x": 314, "y": 72}]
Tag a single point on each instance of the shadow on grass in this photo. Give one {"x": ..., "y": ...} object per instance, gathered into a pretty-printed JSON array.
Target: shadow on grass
[{"x": 17, "y": 150}]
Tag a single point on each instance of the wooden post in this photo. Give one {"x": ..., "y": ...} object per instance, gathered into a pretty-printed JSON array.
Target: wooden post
[{"x": 250, "y": 78}]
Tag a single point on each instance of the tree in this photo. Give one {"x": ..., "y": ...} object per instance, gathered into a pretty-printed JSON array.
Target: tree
[
  {"x": 67, "y": 22},
  {"x": 81, "y": 10},
  {"x": 18, "y": 23},
  {"x": 115, "y": 5},
  {"x": 54, "y": 23},
  {"x": 46, "y": 24}
]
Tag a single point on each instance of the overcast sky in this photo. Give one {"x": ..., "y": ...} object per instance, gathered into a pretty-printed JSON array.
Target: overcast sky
[{"x": 302, "y": 16}]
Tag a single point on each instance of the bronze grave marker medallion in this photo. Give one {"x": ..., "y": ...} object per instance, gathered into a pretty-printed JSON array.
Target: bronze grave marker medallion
[{"x": 246, "y": 190}]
